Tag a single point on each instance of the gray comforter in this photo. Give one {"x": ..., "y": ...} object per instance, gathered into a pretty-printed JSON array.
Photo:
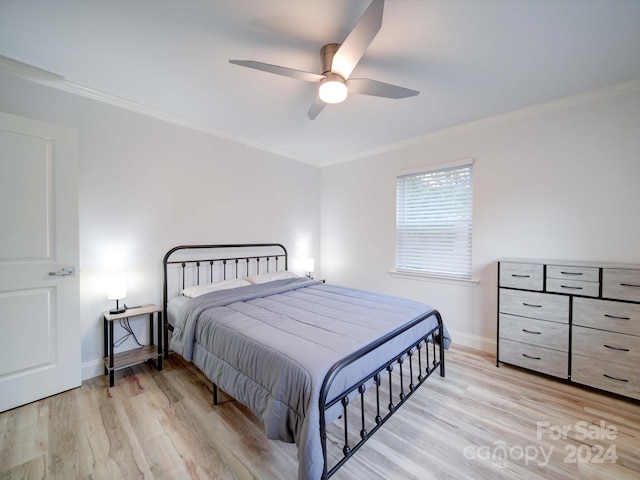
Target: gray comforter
[{"x": 270, "y": 346}]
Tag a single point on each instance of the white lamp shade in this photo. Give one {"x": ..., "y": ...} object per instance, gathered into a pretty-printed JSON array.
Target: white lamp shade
[
  {"x": 117, "y": 287},
  {"x": 309, "y": 264}
]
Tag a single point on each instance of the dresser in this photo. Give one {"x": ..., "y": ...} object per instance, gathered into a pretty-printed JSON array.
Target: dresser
[{"x": 577, "y": 321}]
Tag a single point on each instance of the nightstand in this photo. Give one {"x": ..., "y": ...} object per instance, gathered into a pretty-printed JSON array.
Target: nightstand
[{"x": 113, "y": 362}]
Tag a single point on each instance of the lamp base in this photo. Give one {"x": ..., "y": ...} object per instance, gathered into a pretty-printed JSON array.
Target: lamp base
[{"x": 118, "y": 309}]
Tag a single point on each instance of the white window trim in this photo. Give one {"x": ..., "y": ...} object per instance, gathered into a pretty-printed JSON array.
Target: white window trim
[
  {"x": 432, "y": 277},
  {"x": 437, "y": 166}
]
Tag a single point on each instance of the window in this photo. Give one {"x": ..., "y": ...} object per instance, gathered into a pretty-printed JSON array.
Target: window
[{"x": 433, "y": 223}]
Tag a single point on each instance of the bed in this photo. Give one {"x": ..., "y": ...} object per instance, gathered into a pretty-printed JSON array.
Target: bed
[{"x": 322, "y": 366}]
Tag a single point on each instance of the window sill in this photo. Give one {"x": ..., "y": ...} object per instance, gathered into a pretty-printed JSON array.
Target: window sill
[{"x": 428, "y": 277}]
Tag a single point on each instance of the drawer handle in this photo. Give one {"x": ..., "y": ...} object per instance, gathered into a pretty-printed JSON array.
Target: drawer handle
[
  {"x": 529, "y": 331},
  {"x": 616, "y": 348},
  {"x": 617, "y": 318},
  {"x": 571, "y": 288},
  {"x": 529, "y": 356},
  {"x": 614, "y": 378},
  {"x": 520, "y": 276},
  {"x": 629, "y": 285},
  {"x": 531, "y": 305},
  {"x": 571, "y": 273}
]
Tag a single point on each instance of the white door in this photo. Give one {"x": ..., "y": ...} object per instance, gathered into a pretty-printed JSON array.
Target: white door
[{"x": 39, "y": 288}]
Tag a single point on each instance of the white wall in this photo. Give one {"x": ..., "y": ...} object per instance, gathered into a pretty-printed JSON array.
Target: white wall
[
  {"x": 558, "y": 182},
  {"x": 147, "y": 185}
]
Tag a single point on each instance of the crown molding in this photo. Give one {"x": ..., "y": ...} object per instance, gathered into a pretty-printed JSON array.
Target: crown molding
[
  {"x": 28, "y": 72},
  {"x": 554, "y": 105},
  {"x": 53, "y": 80},
  {"x": 174, "y": 119}
]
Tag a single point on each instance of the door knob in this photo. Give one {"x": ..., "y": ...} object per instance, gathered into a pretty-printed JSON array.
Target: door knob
[{"x": 66, "y": 271}]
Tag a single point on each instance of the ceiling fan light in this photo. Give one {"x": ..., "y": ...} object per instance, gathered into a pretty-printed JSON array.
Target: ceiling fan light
[{"x": 333, "y": 89}]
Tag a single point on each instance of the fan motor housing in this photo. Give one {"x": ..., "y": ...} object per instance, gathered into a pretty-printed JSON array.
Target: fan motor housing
[{"x": 326, "y": 54}]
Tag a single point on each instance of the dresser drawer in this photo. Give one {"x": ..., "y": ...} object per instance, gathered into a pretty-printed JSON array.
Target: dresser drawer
[
  {"x": 528, "y": 276},
  {"x": 540, "y": 359},
  {"x": 535, "y": 332},
  {"x": 541, "y": 306},
  {"x": 583, "y": 274},
  {"x": 606, "y": 346},
  {"x": 612, "y": 377},
  {"x": 621, "y": 284},
  {"x": 606, "y": 315},
  {"x": 573, "y": 287}
]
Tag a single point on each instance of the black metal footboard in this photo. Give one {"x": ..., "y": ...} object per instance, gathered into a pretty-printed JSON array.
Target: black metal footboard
[{"x": 384, "y": 394}]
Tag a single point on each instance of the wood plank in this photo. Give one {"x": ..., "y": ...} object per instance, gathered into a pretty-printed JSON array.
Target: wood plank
[
  {"x": 161, "y": 424},
  {"x": 133, "y": 356},
  {"x": 132, "y": 312},
  {"x": 23, "y": 439}
]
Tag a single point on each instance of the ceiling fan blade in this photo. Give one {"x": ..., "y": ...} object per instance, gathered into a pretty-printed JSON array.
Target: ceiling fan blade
[
  {"x": 358, "y": 40},
  {"x": 316, "y": 108},
  {"x": 278, "y": 70},
  {"x": 366, "y": 86}
]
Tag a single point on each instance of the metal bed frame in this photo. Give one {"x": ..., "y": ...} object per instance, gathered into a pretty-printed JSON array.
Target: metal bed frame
[{"x": 424, "y": 356}]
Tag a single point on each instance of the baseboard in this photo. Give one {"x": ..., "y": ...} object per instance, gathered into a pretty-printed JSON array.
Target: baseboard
[
  {"x": 473, "y": 341},
  {"x": 92, "y": 369}
]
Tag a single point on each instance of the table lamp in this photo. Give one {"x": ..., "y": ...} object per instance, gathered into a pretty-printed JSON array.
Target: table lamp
[
  {"x": 310, "y": 265},
  {"x": 117, "y": 290}
]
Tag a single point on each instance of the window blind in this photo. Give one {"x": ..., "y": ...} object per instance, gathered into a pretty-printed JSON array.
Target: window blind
[{"x": 434, "y": 221}]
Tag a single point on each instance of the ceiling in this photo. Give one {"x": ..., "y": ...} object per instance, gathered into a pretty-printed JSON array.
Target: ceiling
[{"x": 469, "y": 59}]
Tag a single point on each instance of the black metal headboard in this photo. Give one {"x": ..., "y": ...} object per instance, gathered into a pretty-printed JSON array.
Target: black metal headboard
[{"x": 187, "y": 265}]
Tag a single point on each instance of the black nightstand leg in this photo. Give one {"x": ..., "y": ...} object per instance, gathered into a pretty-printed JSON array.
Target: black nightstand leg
[
  {"x": 105, "y": 347},
  {"x": 160, "y": 340},
  {"x": 111, "y": 371},
  {"x": 151, "y": 329}
]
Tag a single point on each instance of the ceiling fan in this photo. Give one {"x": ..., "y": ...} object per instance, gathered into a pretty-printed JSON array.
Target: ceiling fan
[{"x": 338, "y": 62}]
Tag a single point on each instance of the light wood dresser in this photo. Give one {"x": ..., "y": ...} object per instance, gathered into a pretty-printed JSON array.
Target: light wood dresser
[{"x": 573, "y": 320}]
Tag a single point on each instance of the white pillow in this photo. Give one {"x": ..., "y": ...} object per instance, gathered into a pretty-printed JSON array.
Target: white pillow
[
  {"x": 198, "y": 290},
  {"x": 271, "y": 276}
]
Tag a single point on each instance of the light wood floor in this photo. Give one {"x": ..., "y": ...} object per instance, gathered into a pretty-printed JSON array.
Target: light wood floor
[{"x": 162, "y": 425}]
